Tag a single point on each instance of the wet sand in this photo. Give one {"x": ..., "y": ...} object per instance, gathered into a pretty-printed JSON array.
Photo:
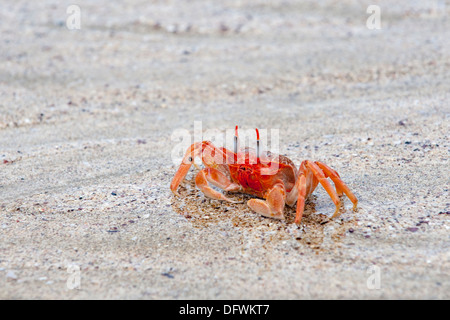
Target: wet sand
[{"x": 87, "y": 116}]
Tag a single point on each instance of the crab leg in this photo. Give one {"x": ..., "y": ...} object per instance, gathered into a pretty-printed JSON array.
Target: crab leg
[
  {"x": 273, "y": 206},
  {"x": 217, "y": 178},
  {"x": 310, "y": 184},
  {"x": 306, "y": 184},
  {"x": 309, "y": 175},
  {"x": 220, "y": 180},
  {"x": 301, "y": 186},
  {"x": 319, "y": 175},
  {"x": 341, "y": 187},
  {"x": 193, "y": 151}
]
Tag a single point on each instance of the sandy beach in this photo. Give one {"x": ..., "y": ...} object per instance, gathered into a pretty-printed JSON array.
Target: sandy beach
[{"x": 88, "y": 112}]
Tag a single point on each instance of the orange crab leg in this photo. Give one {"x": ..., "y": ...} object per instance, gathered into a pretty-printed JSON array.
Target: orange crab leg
[
  {"x": 211, "y": 157},
  {"x": 341, "y": 187},
  {"x": 193, "y": 151},
  {"x": 320, "y": 176},
  {"x": 220, "y": 180},
  {"x": 318, "y": 173},
  {"x": 306, "y": 184},
  {"x": 301, "y": 186}
]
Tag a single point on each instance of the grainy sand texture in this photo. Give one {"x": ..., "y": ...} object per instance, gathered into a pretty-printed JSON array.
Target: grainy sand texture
[{"x": 87, "y": 124}]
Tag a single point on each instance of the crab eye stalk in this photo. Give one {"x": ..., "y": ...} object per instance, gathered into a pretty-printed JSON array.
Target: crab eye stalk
[
  {"x": 236, "y": 140},
  {"x": 257, "y": 143}
]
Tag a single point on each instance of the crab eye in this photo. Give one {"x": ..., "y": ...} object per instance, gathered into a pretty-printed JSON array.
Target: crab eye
[{"x": 190, "y": 159}]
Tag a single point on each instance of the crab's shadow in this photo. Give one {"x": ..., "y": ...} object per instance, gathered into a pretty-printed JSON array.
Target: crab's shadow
[{"x": 203, "y": 212}]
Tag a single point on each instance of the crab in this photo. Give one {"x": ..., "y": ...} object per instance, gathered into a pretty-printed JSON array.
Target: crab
[{"x": 272, "y": 178}]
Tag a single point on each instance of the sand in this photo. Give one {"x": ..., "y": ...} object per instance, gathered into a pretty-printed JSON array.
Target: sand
[{"x": 87, "y": 119}]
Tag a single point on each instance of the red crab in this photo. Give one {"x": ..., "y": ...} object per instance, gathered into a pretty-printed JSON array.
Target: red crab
[{"x": 267, "y": 176}]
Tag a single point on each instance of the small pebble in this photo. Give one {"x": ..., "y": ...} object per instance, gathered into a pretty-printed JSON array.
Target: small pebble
[{"x": 168, "y": 275}]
